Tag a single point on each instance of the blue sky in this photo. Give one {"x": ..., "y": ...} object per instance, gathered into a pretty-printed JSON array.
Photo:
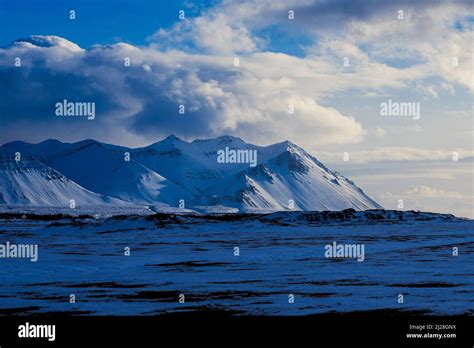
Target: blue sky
[
  {"x": 282, "y": 62},
  {"x": 97, "y": 22}
]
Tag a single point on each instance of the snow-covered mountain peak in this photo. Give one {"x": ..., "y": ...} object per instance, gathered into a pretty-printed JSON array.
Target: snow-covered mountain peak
[
  {"x": 225, "y": 139},
  {"x": 50, "y": 142},
  {"x": 173, "y": 138},
  {"x": 170, "y": 141},
  {"x": 30, "y": 182},
  {"x": 290, "y": 157},
  {"x": 292, "y": 161},
  {"x": 283, "y": 176},
  {"x": 88, "y": 142}
]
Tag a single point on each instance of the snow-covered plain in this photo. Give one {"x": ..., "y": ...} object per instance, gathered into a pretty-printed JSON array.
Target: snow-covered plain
[{"x": 407, "y": 253}]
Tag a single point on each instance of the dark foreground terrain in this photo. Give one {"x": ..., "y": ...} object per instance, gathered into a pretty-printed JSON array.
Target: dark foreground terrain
[{"x": 279, "y": 268}]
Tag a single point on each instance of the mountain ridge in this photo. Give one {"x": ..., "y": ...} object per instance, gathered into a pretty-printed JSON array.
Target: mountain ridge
[{"x": 177, "y": 173}]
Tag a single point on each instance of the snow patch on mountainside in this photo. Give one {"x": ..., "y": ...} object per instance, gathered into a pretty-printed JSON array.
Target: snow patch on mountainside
[
  {"x": 176, "y": 174},
  {"x": 30, "y": 182},
  {"x": 291, "y": 180}
]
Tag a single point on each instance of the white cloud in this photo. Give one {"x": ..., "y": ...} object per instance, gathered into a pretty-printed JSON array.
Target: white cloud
[
  {"x": 432, "y": 199},
  {"x": 251, "y": 101},
  {"x": 215, "y": 32},
  {"x": 367, "y": 33},
  {"x": 191, "y": 64},
  {"x": 430, "y": 192},
  {"x": 393, "y": 153}
]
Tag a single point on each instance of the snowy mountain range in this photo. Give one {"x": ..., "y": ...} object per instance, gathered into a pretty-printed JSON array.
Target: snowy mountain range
[{"x": 174, "y": 173}]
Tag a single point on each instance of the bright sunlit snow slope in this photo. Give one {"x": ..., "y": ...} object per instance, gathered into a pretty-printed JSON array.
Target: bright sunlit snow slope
[
  {"x": 30, "y": 182},
  {"x": 286, "y": 177}
]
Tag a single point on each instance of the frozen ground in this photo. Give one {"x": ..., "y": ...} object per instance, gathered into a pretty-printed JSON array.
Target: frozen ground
[
  {"x": 99, "y": 211},
  {"x": 280, "y": 254}
]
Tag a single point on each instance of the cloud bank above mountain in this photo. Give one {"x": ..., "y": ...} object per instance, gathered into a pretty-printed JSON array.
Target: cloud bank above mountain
[
  {"x": 143, "y": 100},
  {"x": 192, "y": 64}
]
